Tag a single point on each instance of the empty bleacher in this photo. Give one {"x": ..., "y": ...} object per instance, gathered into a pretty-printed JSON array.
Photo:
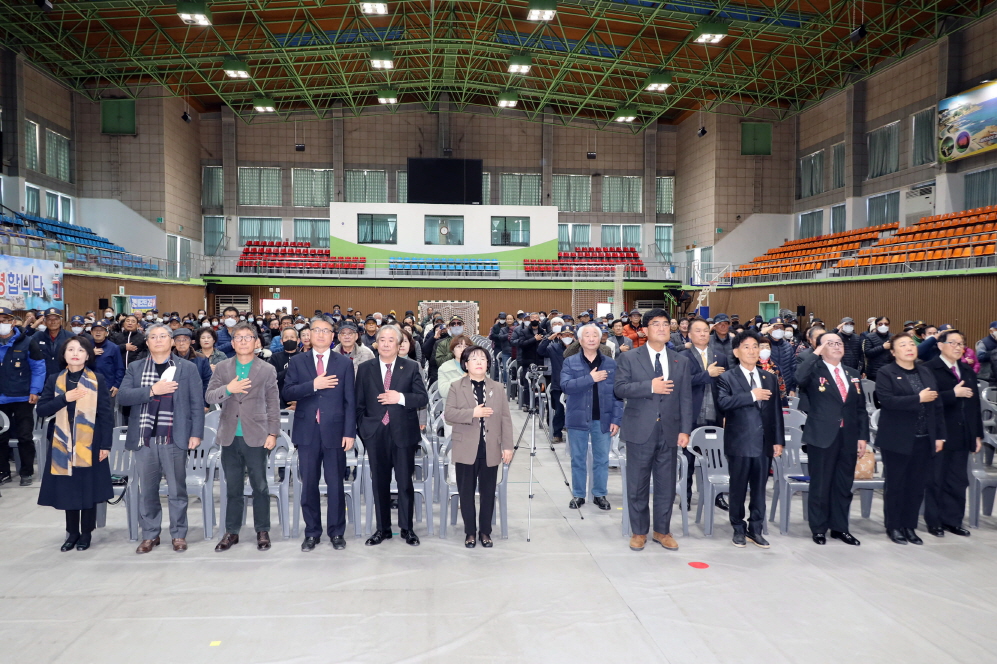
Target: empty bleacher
[
  {"x": 270, "y": 257},
  {"x": 584, "y": 260},
  {"x": 456, "y": 267}
]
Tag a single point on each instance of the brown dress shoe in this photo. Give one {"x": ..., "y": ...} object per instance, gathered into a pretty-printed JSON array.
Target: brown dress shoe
[
  {"x": 145, "y": 546},
  {"x": 179, "y": 544},
  {"x": 226, "y": 542},
  {"x": 263, "y": 540},
  {"x": 666, "y": 541},
  {"x": 637, "y": 542}
]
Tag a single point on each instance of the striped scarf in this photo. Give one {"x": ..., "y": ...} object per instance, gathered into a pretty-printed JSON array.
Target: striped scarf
[
  {"x": 72, "y": 445},
  {"x": 156, "y": 417}
]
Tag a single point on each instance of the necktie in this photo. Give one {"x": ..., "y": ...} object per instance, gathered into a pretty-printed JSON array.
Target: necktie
[
  {"x": 657, "y": 365},
  {"x": 387, "y": 386},
  {"x": 753, "y": 385},
  {"x": 319, "y": 371},
  {"x": 702, "y": 356},
  {"x": 955, "y": 372},
  {"x": 841, "y": 384}
]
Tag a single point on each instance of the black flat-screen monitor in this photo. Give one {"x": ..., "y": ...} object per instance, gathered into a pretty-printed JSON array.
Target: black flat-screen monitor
[{"x": 445, "y": 181}]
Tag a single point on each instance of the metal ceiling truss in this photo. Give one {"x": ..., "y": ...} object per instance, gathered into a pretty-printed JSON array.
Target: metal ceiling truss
[{"x": 594, "y": 57}]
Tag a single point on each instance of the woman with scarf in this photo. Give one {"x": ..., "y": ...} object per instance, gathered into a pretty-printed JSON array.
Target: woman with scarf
[{"x": 77, "y": 475}]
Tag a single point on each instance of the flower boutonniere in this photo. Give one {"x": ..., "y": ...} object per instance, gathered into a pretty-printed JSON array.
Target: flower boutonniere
[{"x": 823, "y": 384}]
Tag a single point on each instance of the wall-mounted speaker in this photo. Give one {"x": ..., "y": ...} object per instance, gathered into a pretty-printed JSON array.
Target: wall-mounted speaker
[
  {"x": 801, "y": 311},
  {"x": 102, "y": 304}
]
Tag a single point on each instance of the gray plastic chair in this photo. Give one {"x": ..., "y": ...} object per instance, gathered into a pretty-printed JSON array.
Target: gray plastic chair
[
  {"x": 682, "y": 470},
  {"x": 122, "y": 463},
  {"x": 794, "y": 437},
  {"x": 982, "y": 484},
  {"x": 793, "y": 418},
  {"x": 278, "y": 488},
  {"x": 287, "y": 422},
  {"x": 200, "y": 479},
  {"x": 714, "y": 478},
  {"x": 213, "y": 418},
  {"x": 352, "y": 489},
  {"x": 866, "y": 489},
  {"x": 451, "y": 503},
  {"x": 791, "y": 465}
]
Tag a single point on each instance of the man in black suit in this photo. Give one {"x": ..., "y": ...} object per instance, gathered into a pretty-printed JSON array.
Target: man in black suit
[
  {"x": 837, "y": 429},
  {"x": 945, "y": 499},
  {"x": 753, "y": 434},
  {"x": 389, "y": 394},
  {"x": 321, "y": 383},
  {"x": 657, "y": 386}
]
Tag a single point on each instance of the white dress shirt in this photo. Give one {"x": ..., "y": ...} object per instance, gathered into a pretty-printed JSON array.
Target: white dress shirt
[
  {"x": 748, "y": 376},
  {"x": 394, "y": 368},
  {"x": 653, "y": 354}
]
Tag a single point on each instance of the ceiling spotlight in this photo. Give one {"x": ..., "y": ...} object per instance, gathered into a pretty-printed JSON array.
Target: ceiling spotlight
[
  {"x": 382, "y": 59},
  {"x": 625, "y": 115},
  {"x": 235, "y": 68},
  {"x": 508, "y": 99},
  {"x": 701, "y": 132},
  {"x": 858, "y": 34},
  {"x": 520, "y": 64},
  {"x": 387, "y": 96},
  {"x": 264, "y": 105},
  {"x": 374, "y": 8},
  {"x": 542, "y": 10},
  {"x": 194, "y": 12},
  {"x": 710, "y": 33},
  {"x": 44, "y": 5},
  {"x": 186, "y": 117},
  {"x": 658, "y": 82}
]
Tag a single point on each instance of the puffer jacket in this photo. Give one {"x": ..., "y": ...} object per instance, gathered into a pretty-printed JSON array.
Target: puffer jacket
[
  {"x": 784, "y": 356},
  {"x": 876, "y": 357}
]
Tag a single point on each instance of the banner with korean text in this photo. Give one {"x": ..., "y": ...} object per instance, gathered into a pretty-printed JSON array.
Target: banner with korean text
[{"x": 29, "y": 283}]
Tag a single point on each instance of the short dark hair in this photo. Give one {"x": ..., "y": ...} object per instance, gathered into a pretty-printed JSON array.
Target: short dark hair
[
  {"x": 460, "y": 338},
  {"x": 741, "y": 337},
  {"x": 699, "y": 320},
  {"x": 228, "y": 309},
  {"x": 244, "y": 326},
  {"x": 652, "y": 314},
  {"x": 943, "y": 337},
  {"x": 87, "y": 346},
  {"x": 201, "y": 331},
  {"x": 820, "y": 337},
  {"x": 466, "y": 355},
  {"x": 898, "y": 337},
  {"x": 881, "y": 319}
]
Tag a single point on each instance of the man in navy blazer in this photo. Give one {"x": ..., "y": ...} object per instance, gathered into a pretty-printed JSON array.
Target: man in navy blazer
[
  {"x": 753, "y": 434},
  {"x": 324, "y": 430}
]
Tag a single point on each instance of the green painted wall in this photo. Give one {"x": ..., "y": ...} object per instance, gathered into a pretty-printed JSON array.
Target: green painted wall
[
  {"x": 340, "y": 247},
  {"x": 437, "y": 283}
]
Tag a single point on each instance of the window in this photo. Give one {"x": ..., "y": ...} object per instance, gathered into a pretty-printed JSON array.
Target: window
[
  {"x": 31, "y": 144},
  {"x": 117, "y": 116},
  {"x": 66, "y": 210},
  {"x": 315, "y": 231},
  {"x": 212, "y": 186},
  {"x": 486, "y": 188},
  {"x": 924, "y": 137},
  {"x": 572, "y": 193},
  {"x": 981, "y": 188},
  {"x": 884, "y": 209},
  {"x": 570, "y": 236},
  {"x": 377, "y": 228},
  {"x": 884, "y": 150},
  {"x": 706, "y": 255},
  {"x": 366, "y": 187},
  {"x": 520, "y": 189},
  {"x": 663, "y": 242},
  {"x": 265, "y": 229},
  {"x": 52, "y": 205},
  {"x": 511, "y": 231},
  {"x": 56, "y": 155},
  {"x": 664, "y": 190},
  {"x": 401, "y": 186},
  {"x": 811, "y": 223},
  {"x": 621, "y": 193},
  {"x": 178, "y": 257},
  {"x": 311, "y": 187},
  {"x": 756, "y": 138},
  {"x": 812, "y": 174},
  {"x": 838, "y": 219},
  {"x": 620, "y": 235},
  {"x": 260, "y": 186},
  {"x": 214, "y": 234},
  {"x": 837, "y": 166},
  {"x": 32, "y": 200},
  {"x": 444, "y": 230}
]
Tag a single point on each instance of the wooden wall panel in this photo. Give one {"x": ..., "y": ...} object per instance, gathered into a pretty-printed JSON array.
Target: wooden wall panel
[{"x": 82, "y": 293}]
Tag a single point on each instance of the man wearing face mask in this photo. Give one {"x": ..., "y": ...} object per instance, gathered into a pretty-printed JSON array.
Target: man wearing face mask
[
  {"x": 442, "y": 352},
  {"x": 783, "y": 354},
  {"x": 22, "y": 378},
  {"x": 552, "y": 347},
  {"x": 986, "y": 353},
  {"x": 182, "y": 340},
  {"x": 501, "y": 338},
  {"x": 280, "y": 360},
  {"x": 109, "y": 361},
  {"x": 78, "y": 325},
  {"x": 130, "y": 340},
  {"x": 853, "y": 344},
  {"x": 526, "y": 341},
  {"x": 369, "y": 337},
  {"x": 275, "y": 341},
  {"x": 230, "y": 317}
]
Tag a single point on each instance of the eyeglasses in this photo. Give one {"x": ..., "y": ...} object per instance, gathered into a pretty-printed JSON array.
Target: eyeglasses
[
  {"x": 833, "y": 344},
  {"x": 321, "y": 330},
  {"x": 243, "y": 338},
  {"x": 957, "y": 344}
]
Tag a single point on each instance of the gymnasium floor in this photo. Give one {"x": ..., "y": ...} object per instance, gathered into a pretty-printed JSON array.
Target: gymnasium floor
[{"x": 575, "y": 593}]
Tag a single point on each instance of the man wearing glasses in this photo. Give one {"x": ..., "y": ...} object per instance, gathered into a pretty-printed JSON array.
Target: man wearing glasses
[{"x": 837, "y": 429}]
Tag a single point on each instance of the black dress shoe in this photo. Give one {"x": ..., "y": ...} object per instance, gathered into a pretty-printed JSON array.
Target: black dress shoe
[
  {"x": 4, "y": 479},
  {"x": 721, "y": 503},
  {"x": 70, "y": 543},
  {"x": 601, "y": 502},
  {"x": 26, "y": 480},
  {"x": 338, "y": 542},
  {"x": 576, "y": 503},
  {"x": 377, "y": 537},
  {"x": 486, "y": 540},
  {"x": 937, "y": 531},
  {"x": 845, "y": 537},
  {"x": 896, "y": 536},
  {"x": 469, "y": 542},
  {"x": 84, "y": 542},
  {"x": 956, "y": 530},
  {"x": 912, "y": 537},
  {"x": 410, "y": 537},
  {"x": 309, "y": 543},
  {"x": 739, "y": 540},
  {"x": 758, "y": 541},
  {"x": 820, "y": 538}
]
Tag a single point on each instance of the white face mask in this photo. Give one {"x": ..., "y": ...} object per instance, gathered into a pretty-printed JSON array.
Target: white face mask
[
  {"x": 149, "y": 317},
  {"x": 251, "y": 319},
  {"x": 299, "y": 326},
  {"x": 230, "y": 322},
  {"x": 5, "y": 329},
  {"x": 159, "y": 320},
  {"x": 76, "y": 330},
  {"x": 764, "y": 354},
  {"x": 556, "y": 328},
  {"x": 456, "y": 331},
  {"x": 567, "y": 341},
  {"x": 883, "y": 329},
  {"x": 206, "y": 324},
  {"x": 847, "y": 329},
  {"x": 242, "y": 318},
  {"x": 90, "y": 321},
  {"x": 778, "y": 334},
  {"x": 542, "y": 317},
  {"x": 108, "y": 315}
]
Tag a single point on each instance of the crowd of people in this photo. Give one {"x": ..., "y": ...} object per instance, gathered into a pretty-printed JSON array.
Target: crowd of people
[{"x": 647, "y": 377}]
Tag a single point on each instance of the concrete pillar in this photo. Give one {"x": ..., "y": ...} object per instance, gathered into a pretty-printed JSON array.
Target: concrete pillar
[
  {"x": 230, "y": 173},
  {"x": 650, "y": 202},
  {"x": 12, "y": 99},
  {"x": 948, "y": 83},
  {"x": 338, "y": 153},
  {"x": 547, "y": 158},
  {"x": 443, "y": 118},
  {"x": 856, "y": 152}
]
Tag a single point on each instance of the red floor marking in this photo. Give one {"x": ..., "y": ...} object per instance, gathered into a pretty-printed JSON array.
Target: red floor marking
[{"x": 699, "y": 565}]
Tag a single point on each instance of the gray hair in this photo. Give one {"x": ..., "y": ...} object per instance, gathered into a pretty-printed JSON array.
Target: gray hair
[
  {"x": 322, "y": 319},
  {"x": 158, "y": 326},
  {"x": 582, "y": 328},
  {"x": 393, "y": 328},
  {"x": 244, "y": 326},
  {"x": 288, "y": 329}
]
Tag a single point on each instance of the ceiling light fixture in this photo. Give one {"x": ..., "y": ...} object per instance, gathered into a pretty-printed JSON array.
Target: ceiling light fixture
[
  {"x": 508, "y": 99},
  {"x": 264, "y": 105},
  {"x": 520, "y": 64},
  {"x": 542, "y": 10},
  {"x": 374, "y": 8},
  {"x": 701, "y": 132},
  {"x": 659, "y": 82},
  {"x": 235, "y": 68},
  {"x": 382, "y": 59},
  {"x": 387, "y": 96},
  {"x": 194, "y": 12},
  {"x": 710, "y": 33},
  {"x": 186, "y": 117},
  {"x": 858, "y": 34},
  {"x": 625, "y": 115}
]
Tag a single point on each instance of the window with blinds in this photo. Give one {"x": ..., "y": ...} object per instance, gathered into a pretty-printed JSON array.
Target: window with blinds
[
  {"x": 620, "y": 235},
  {"x": 366, "y": 186},
  {"x": 260, "y": 186},
  {"x": 664, "y": 189},
  {"x": 377, "y": 228},
  {"x": 486, "y": 188},
  {"x": 444, "y": 230},
  {"x": 264, "y": 229},
  {"x": 812, "y": 174},
  {"x": 66, "y": 209},
  {"x": 520, "y": 189},
  {"x": 56, "y": 155},
  {"x": 315, "y": 231},
  {"x": 212, "y": 186},
  {"x": 884, "y": 209},
  {"x": 981, "y": 188},
  {"x": 811, "y": 223},
  {"x": 884, "y": 150},
  {"x": 31, "y": 144},
  {"x": 510, "y": 231},
  {"x": 51, "y": 205},
  {"x": 923, "y": 133},
  {"x": 32, "y": 200},
  {"x": 401, "y": 186},
  {"x": 570, "y": 236},
  {"x": 838, "y": 219},
  {"x": 837, "y": 166},
  {"x": 311, "y": 187},
  {"x": 214, "y": 234},
  {"x": 572, "y": 193},
  {"x": 621, "y": 193},
  {"x": 663, "y": 241}
]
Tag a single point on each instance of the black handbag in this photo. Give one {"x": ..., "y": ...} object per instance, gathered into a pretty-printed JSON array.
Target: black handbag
[{"x": 119, "y": 480}]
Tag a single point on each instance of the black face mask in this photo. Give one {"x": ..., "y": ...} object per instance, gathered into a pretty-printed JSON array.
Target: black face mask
[{"x": 290, "y": 345}]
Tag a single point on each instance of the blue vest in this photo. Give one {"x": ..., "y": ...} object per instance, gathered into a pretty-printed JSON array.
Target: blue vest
[{"x": 15, "y": 371}]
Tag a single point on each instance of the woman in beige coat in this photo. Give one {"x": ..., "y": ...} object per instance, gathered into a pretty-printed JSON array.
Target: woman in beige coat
[{"x": 478, "y": 410}]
